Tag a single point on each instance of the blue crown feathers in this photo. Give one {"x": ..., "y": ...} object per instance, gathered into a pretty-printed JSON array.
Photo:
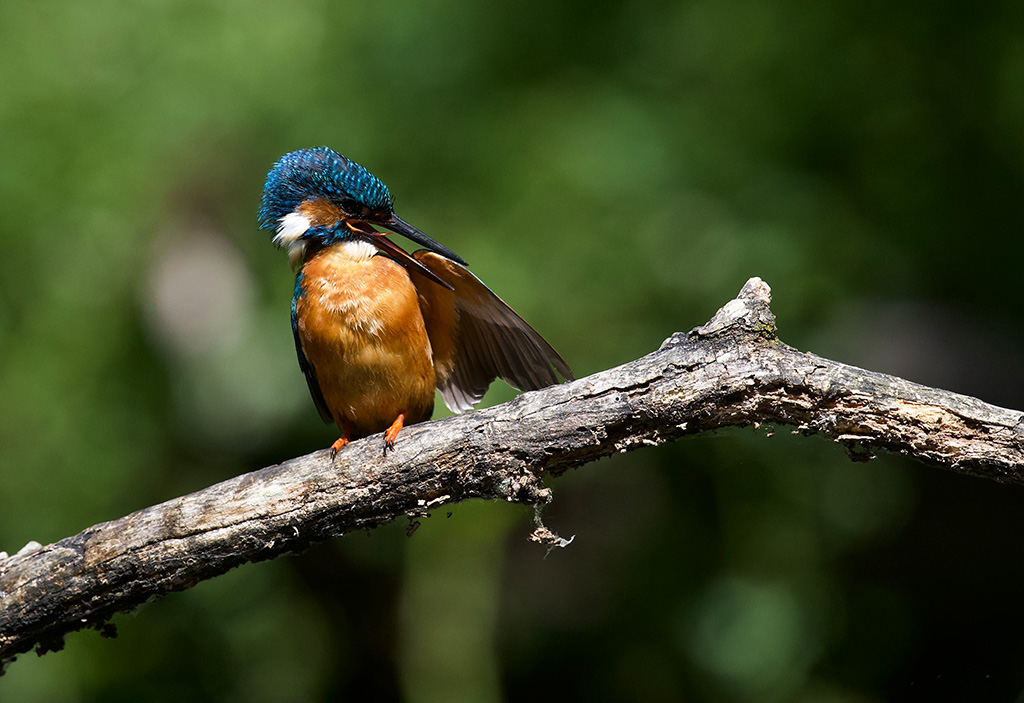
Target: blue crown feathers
[{"x": 309, "y": 173}]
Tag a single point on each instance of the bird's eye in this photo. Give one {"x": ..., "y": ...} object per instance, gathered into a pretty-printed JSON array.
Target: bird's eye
[{"x": 350, "y": 206}]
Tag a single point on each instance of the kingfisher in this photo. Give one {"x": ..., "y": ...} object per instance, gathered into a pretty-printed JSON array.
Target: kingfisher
[{"x": 378, "y": 329}]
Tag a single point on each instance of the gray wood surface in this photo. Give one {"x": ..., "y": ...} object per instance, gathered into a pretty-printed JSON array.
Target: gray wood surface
[{"x": 733, "y": 371}]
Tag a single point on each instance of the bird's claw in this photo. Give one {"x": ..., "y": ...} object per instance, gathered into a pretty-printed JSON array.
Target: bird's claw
[
  {"x": 338, "y": 444},
  {"x": 391, "y": 434}
]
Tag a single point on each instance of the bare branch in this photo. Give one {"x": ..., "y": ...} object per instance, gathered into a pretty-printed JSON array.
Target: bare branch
[{"x": 732, "y": 371}]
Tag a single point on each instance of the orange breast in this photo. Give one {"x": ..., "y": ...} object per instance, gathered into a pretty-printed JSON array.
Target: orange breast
[{"x": 361, "y": 329}]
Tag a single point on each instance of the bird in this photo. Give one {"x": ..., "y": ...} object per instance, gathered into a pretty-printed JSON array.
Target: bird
[{"x": 378, "y": 329}]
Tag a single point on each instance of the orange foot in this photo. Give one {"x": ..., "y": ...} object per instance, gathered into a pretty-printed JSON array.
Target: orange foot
[
  {"x": 347, "y": 430},
  {"x": 338, "y": 444},
  {"x": 392, "y": 432}
]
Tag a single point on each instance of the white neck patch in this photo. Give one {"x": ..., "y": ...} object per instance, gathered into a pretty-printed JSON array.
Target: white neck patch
[{"x": 290, "y": 229}]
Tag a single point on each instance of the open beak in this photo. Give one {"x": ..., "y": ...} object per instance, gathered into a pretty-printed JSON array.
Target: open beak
[{"x": 381, "y": 240}]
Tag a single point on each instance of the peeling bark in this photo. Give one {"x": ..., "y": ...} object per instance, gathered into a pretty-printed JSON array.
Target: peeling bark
[{"x": 733, "y": 371}]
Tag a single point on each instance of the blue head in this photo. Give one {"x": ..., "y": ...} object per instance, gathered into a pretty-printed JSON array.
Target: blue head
[
  {"x": 315, "y": 197},
  {"x": 320, "y": 173}
]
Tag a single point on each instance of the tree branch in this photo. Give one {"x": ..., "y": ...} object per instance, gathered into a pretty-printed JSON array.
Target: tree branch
[{"x": 732, "y": 371}]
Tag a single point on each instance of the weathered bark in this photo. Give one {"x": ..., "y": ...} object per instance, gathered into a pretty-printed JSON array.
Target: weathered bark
[{"x": 733, "y": 371}]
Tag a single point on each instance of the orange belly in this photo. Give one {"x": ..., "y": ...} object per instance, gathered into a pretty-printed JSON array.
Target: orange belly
[{"x": 361, "y": 328}]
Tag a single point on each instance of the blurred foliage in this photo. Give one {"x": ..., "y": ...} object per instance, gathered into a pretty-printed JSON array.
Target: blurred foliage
[{"x": 615, "y": 171}]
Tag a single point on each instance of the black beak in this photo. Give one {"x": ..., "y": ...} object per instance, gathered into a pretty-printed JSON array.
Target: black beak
[
  {"x": 398, "y": 254},
  {"x": 399, "y": 226}
]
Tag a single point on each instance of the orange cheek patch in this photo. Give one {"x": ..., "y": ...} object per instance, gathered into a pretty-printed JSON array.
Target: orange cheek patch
[{"x": 321, "y": 212}]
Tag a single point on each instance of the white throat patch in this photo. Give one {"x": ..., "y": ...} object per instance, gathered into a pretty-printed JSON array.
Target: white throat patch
[{"x": 358, "y": 249}]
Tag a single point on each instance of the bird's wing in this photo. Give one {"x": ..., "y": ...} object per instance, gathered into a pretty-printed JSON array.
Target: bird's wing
[
  {"x": 307, "y": 368},
  {"x": 476, "y": 337}
]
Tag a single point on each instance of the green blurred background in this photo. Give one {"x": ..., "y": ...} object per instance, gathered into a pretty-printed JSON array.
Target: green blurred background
[{"x": 615, "y": 171}]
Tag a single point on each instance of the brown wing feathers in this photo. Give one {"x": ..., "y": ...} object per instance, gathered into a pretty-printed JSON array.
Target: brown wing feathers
[{"x": 476, "y": 337}]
